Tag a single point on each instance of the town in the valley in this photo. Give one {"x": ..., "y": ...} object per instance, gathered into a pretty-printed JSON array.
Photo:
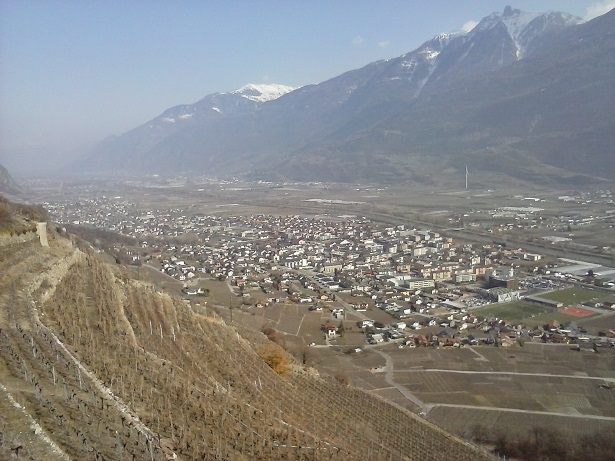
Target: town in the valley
[{"x": 387, "y": 282}]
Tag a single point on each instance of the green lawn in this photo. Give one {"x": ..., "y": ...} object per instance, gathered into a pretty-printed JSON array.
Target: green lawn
[
  {"x": 514, "y": 311},
  {"x": 572, "y": 295}
]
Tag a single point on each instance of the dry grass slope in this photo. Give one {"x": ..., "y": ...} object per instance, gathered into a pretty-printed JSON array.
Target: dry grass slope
[
  {"x": 18, "y": 218},
  {"x": 98, "y": 366}
]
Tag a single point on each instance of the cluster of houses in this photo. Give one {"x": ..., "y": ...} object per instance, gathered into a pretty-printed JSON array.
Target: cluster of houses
[
  {"x": 441, "y": 332},
  {"x": 185, "y": 243},
  {"x": 446, "y": 332},
  {"x": 348, "y": 253}
]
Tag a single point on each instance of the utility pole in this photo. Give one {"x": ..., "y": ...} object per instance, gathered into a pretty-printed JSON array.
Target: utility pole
[{"x": 466, "y": 177}]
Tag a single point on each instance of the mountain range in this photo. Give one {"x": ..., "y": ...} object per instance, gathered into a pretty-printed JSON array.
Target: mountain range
[{"x": 522, "y": 95}]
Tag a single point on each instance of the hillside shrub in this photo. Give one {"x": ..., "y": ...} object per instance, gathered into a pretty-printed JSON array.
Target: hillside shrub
[{"x": 275, "y": 357}]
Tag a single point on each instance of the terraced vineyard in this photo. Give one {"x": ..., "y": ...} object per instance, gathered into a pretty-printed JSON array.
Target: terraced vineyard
[{"x": 95, "y": 365}]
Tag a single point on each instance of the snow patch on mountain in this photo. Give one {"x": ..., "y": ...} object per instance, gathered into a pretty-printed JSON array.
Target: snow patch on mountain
[
  {"x": 430, "y": 54},
  {"x": 418, "y": 66},
  {"x": 262, "y": 93},
  {"x": 424, "y": 81},
  {"x": 176, "y": 114}
]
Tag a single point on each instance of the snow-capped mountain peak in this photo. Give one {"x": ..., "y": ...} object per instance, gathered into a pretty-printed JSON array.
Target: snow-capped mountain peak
[
  {"x": 221, "y": 103},
  {"x": 263, "y": 92},
  {"x": 514, "y": 20},
  {"x": 523, "y": 27}
]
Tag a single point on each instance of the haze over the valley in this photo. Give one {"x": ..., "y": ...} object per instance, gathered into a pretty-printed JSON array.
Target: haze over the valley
[
  {"x": 74, "y": 73},
  {"x": 303, "y": 231}
]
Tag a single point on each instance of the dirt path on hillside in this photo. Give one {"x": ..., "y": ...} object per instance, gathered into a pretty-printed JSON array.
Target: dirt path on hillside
[{"x": 403, "y": 390}]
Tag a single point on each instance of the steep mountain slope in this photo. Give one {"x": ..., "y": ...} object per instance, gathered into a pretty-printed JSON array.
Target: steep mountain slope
[
  {"x": 8, "y": 185},
  {"x": 527, "y": 95},
  {"x": 96, "y": 365}
]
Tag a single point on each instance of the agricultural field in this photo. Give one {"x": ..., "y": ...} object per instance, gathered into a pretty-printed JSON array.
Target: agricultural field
[
  {"x": 538, "y": 384},
  {"x": 533, "y": 357},
  {"x": 556, "y": 394},
  {"x": 544, "y": 384},
  {"x": 470, "y": 421}
]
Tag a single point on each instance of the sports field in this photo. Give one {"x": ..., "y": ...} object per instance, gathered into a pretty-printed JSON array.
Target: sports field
[
  {"x": 577, "y": 312},
  {"x": 515, "y": 311},
  {"x": 573, "y": 295}
]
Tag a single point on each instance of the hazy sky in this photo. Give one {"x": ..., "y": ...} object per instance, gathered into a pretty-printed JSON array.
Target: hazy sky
[{"x": 73, "y": 72}]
